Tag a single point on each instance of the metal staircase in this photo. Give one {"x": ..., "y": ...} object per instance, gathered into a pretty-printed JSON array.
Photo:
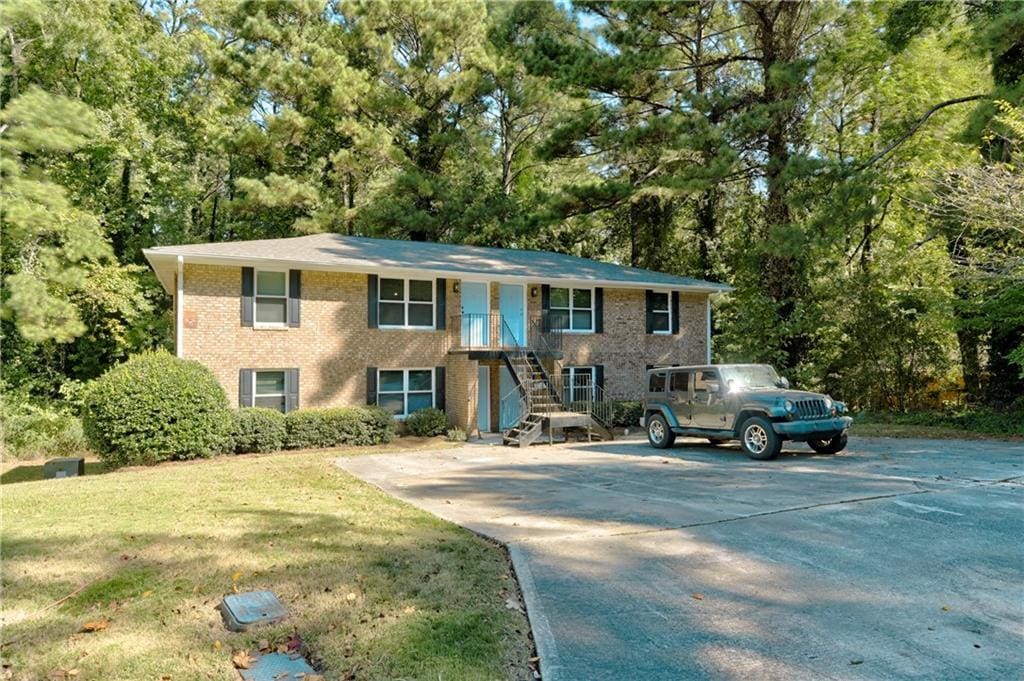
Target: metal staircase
[{"x": 544, "y": 403}]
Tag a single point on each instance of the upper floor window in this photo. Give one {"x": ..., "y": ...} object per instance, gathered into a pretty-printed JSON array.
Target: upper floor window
[
  {"x": 406, "y": 303},
  {"x": 271, "y": 298},
  {"x": 572, "y": 309},
  {"x": 661, "y": 312}
]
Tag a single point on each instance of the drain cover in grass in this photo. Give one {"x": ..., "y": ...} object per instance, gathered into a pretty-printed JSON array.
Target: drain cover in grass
[
  {"x": 277, "y": 667},
  {"x": 250, "y": 609}
]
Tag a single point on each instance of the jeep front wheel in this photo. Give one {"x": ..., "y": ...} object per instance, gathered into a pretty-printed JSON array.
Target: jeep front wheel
[
  {"x": 833, "y": 446},
  {"x": 758, "y": 439},
  {"x": 658, "y": 433}
]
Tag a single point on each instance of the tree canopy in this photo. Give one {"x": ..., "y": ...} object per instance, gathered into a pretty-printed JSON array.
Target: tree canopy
[{"x": 852, "y": 168}]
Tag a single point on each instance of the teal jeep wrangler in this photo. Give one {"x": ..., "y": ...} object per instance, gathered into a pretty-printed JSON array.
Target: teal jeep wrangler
[{"x": 746, "y": 402}]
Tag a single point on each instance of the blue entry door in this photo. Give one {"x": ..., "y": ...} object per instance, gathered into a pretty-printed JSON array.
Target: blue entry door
[
  {"x": 512, "y": 303},
  {"x": 475, "y": 306},
  {"x": 509, "y": 415}
]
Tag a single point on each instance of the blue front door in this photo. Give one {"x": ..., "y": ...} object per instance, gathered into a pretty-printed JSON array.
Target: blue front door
[
  {"x": 512, "y": 304},
  {"x": 475, "y": 325}
]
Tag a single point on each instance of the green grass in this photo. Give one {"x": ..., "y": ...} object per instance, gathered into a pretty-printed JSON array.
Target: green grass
[{"x": 376, "y": 588}]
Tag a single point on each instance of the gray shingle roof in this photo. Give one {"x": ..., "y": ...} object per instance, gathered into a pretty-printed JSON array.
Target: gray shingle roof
[{"x": 365, "y": 254}]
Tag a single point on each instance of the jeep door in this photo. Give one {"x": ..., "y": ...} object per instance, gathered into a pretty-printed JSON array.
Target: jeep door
[
  {"x": 679, "y": 397},
  {"x": 710, "y": 404}
]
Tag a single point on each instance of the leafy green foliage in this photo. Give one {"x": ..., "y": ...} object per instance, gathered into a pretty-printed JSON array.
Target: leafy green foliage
[
  {"x": 427, "y": 422},
  {"x": 156, "y": 407},
  {"x": 31, "y": 431},
  {"x": 255, "y": 429},
  {"x": 627, "y": 413},
  {"x": 335, "y": 427},
  {"x": 1006, "y": 421}
]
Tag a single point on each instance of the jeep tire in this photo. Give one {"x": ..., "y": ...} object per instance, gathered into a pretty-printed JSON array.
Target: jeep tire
[
  {"x": 658, "y": 433},
  {"x": 759, "y": 440},
  {"x": 833, "y": 446}
]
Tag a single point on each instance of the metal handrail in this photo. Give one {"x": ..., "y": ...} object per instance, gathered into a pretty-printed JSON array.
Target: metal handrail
[{"x": 578, "y": 398}]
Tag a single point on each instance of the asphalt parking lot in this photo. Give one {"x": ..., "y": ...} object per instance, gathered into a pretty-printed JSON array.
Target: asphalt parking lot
[{"x": 898, "y": 559}]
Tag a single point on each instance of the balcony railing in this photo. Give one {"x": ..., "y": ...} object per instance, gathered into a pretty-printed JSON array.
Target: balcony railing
[{"x": 493, "y": 331}]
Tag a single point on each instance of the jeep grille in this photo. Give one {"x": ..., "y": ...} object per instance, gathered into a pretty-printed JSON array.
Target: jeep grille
[{"x": 811, "y": 409}]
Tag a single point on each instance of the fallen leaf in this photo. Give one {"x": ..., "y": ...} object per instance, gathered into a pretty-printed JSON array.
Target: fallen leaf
[
  {"x": 147, "y": 594},
  {"x": 72, "y": 673},
  {"x": 235, "y": 577},
  {"x": 264, "y": 645},
  {"x": 95, "y": 625},
  {"x": 697, "y": 596},
  {"x": 234, "y": 588},
  {"x": 217, "y": 645},
  {"x": 165, "y": 677},
  {"x": 856, "y": 661},
  {"x": 409, "y": 609},
  {"x": 945, "y": 608},
  {"x": 350, "y": 597},
  {"x": 241, "y": 659}
]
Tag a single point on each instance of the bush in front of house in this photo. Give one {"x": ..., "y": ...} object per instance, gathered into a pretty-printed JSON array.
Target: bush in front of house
[
  {"x": 427, "y": 422},
  {"x": 32, "y": 431},
  {"x": 156, "y": 407},
  {"x": 627, "y": 413},
  {"x": 334, "y": 427},
  {"x": 257, "y": 429}
]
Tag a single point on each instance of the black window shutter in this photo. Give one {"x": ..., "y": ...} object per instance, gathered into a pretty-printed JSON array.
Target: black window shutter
[
  {"x": 245, "y": 387},
  {"x": 439, "y": 303},
  {"x": 545, "y": 307},
  {"x": 675, "y": 312},
  {"x": 291, "y": 389},
  {"x": 294, "y": 296},
  {"x": 248, "y": 289},
  {"x": 371, "y": 306},
  {"x": 599, "y": 377},
  {"x": 371, "y": 385},
  {"x": 598, "y": 310},
  {"x": 439, "y": 388},
  {"x": 649, "y": 306}
]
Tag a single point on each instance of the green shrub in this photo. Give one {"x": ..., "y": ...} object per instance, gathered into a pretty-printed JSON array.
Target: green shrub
[
  {"x": 427, "y": 422},
  {"x": 627, "y": 413},
  {"x": 258, "y": 430},
  {"x": 312, "y": 428},
  {"x": 456, "y": 434},
  {"x": 156, "y": 407},
  {"x": 985, "y": 420},
  {"x": 31, "y": 431}
]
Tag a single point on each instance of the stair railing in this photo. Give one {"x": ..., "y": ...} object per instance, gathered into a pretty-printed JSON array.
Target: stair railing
[{"x": 513, "y": 408}]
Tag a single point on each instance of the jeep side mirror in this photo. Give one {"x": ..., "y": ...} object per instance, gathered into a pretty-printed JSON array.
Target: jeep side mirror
[{"x": 783, "y": 382}]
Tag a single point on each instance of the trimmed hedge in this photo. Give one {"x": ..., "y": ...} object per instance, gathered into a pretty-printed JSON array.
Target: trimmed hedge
[
  {"x": 627, "y": 413},
  {"x": 156, "y": 407},
  {"x": 427, "y": 422},
  {"x": 312, "y": 428},
  {"x": 258, "y": 430}
]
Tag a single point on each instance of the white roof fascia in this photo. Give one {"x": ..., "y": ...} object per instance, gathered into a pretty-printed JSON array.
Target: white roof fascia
[{"x": 170, "y": 258}]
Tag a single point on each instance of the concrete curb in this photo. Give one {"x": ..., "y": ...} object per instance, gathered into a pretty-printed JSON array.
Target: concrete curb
[{"x": 550, "y": 666}]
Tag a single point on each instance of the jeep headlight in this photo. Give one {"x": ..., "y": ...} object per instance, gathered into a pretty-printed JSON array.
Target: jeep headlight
[
  {"x": 828, "y": 403},
  {"x": 790, "y": 407}
]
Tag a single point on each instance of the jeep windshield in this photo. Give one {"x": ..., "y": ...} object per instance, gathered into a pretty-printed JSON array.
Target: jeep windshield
[{"x": 749, "y": 376}]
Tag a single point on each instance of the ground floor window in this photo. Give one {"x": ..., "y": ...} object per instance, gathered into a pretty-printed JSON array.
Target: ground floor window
[
  {"x": 578, "y": 384},
  {"x": 269, "y": 390},
  {"x": 404, "y": 391}
]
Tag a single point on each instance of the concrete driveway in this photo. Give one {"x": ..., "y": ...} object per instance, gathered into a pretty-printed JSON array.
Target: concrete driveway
[{"x": 899, "y": 559}]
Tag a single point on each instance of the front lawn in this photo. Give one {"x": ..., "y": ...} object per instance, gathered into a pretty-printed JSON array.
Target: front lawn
[{"x": 376, "y": 588}]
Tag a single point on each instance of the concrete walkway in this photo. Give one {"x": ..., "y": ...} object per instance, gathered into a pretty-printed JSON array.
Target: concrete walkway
[{"x": 899, "y": 559}]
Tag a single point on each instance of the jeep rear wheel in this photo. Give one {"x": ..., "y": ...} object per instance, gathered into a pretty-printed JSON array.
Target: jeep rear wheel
[
  {"x": 833, "y": 446},
  {"x": 658, "y": 433},
  {"x": 758, "y": 439}
]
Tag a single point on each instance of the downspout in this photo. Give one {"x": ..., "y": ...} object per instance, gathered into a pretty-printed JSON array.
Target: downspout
[
  {"x": 707, "y": 324},
  {"x": 179, "y": 309}
]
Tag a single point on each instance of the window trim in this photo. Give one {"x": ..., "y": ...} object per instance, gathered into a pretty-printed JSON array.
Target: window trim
[
  {"x": 284, "y": 382},
  {"x": 405, "y": 301},
  {"x": 256, "y": 296},
  {"x": 572, "y": 308},
  {"x": 667, "y": 312},
  {"x": 405, "y": 388}
]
